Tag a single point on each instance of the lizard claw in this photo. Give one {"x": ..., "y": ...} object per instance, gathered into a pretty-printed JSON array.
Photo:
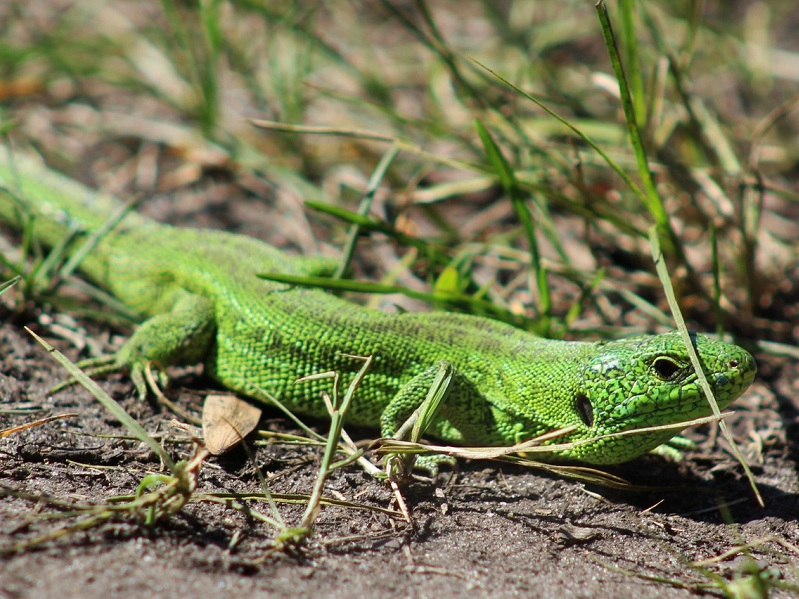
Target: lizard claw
[
  {"x": 92, "y": 367},
  {"x": 149, "y": 377},
  {"x": 146, "y": 376}
]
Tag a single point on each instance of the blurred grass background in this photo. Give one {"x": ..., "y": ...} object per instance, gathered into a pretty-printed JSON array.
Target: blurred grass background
[{"x": 156, "y": 98}]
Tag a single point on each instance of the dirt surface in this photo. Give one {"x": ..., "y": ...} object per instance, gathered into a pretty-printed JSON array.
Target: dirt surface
[{"x": 484, "y": 529}]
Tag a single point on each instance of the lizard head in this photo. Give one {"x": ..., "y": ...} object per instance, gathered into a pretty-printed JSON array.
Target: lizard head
[{"x": 649, "y": 381}]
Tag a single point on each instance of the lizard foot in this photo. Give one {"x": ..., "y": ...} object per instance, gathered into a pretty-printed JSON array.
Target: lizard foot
[
  {"x": 673, "y": 448},
  {"x": 399, "y": 467},
  {"x": 433, "y": 462}
]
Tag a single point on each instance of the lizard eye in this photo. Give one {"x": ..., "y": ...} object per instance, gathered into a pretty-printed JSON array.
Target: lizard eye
[
  {"x": 665, "y": 368},
  {"x": 585, "y": 409}
]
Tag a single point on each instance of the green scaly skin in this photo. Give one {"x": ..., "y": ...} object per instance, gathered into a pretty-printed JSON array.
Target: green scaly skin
[{"x": 204, "y": 303}]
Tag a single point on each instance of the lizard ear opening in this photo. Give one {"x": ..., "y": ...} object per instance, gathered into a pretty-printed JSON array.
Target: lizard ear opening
[{"x": 585, "y": 409}]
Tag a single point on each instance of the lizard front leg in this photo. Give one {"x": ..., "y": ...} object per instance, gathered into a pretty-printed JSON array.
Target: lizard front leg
[
  {"x": 456, "y": 410},
  {"x": 181, "y": 336}
]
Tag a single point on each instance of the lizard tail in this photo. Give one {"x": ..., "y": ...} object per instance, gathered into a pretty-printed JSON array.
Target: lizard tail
[
  {"x": 54, "y": 206},
  {"x": 29, "y": 189}
]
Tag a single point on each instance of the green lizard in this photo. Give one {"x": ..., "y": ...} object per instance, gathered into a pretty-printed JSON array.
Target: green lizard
[{"x": 204, "y": 303}]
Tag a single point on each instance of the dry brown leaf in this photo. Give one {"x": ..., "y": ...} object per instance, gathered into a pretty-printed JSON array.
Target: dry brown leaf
[{"x": 226, "y": 421}]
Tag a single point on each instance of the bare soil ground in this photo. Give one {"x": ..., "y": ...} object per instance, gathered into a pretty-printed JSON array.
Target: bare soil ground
[{"x": 482, "y": 530}]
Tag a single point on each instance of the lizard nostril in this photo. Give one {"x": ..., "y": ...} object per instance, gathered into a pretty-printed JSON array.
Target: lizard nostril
[{"x": 734, "y": 363}]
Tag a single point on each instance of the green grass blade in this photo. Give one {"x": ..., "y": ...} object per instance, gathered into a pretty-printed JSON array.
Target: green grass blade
[
  {"x": 435, "y": 396},
  {"x": 628, "y": 29},
  {"x": 6, "y": 285},
  {"x": 364, "y": 207},
  {"x": 116, "y": 410},
  {"x": 663, "y": 273},
  {"x": 434, "y": 252},
  {"x": 577, "y": 131},
  {"x": 509, "y": 183},
  {"x": 651, "y": 198}
]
